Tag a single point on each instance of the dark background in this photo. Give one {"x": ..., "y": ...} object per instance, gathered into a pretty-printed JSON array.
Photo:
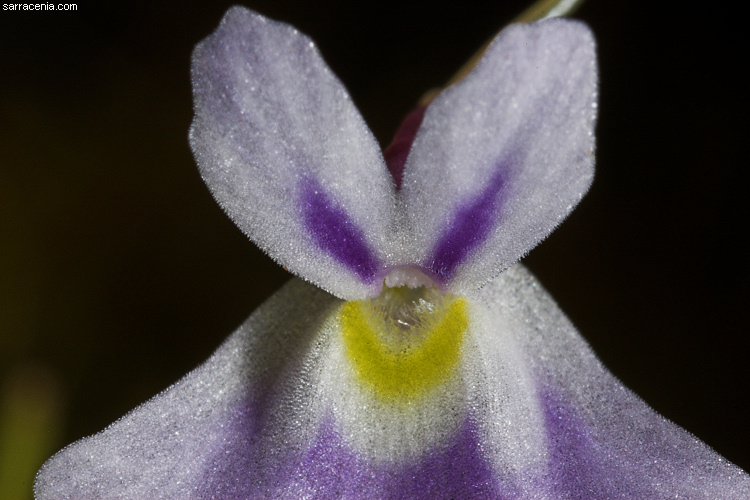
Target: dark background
[{"x": 119, "y": 273}]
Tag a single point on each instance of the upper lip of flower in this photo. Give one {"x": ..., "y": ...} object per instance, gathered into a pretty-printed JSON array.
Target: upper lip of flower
[{"x": 499, "y": 160}]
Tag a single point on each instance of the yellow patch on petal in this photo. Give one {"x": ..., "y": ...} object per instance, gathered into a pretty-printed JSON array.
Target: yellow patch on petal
[{"x": 399, "y": 360}]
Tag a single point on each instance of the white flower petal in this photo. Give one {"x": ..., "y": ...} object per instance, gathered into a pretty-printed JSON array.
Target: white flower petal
[
  {"x": 502, "y": 156},
  {"x": 287, "y": 155}
]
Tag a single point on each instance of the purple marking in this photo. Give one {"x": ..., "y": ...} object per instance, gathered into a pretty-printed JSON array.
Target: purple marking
[
  {"x": 333, "y": 230},
  {"x": 330, "y": 469},
  {"x": 457, "y": 470},
  {"x": 397, "y": 152},
  {"x": 243, "y": 464},
  {"x": 581, "y": 467},
  {"x": 469, "y": 227},
  {"x": 229, "y": 470}
]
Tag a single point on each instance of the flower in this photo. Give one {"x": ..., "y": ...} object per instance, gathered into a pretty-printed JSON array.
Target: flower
[{"x": 410, "y": 367}]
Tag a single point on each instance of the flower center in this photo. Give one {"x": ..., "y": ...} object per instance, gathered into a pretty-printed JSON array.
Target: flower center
[
  {"x": 405, "y": 314},
  {"x": 406, "y": 340},
  {"x": 409, "y": 277}
]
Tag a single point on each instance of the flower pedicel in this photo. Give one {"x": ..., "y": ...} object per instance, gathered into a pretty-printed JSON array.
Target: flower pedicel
[{"x": 408, "y": 366}]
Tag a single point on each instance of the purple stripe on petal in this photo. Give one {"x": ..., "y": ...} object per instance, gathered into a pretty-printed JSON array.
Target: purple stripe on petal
[
  {"x": 398, "y": 150},
  {"x": 470, "y": 226},
  {"x": 581, "y": 467},
  {"x": 333, "y": 230},
  {"x": 330, "y": 469},
  {"x": 457, "y": 470},
  {"x": 230, "y": 471}
]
